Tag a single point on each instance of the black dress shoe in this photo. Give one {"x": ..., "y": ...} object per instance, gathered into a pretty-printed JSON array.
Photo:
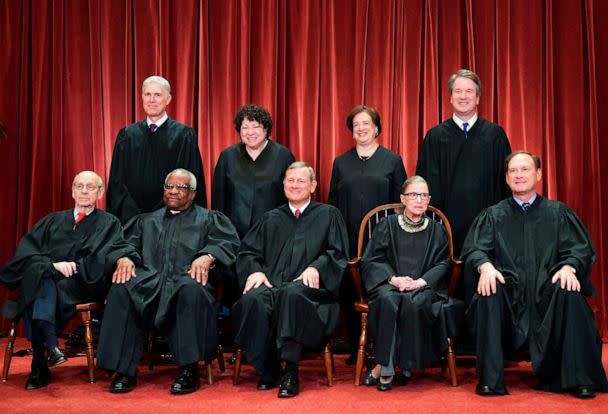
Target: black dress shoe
[
  {"x": 485, "y": 391},
  {"x": 385, "y": 386},
  {"x": 122, "y": 384},
  {"x": 407, "y": 376},
  {"x": 370, "y": 380},
  {"x": 56, "y": 357},
  {"x": 187, "y": 380},
  {"x": 289, "y": 386},
  {"x": 39, "y": 377},
  {"x": 264, "y": 385},
  {"x": 584, "y": 391}
]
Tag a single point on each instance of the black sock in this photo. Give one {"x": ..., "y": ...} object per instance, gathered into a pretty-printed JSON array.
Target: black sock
[
  {"x": 291, "y": 368},
  {"x": 48, "y": 333},
  {"x": 38, "y": 357}
]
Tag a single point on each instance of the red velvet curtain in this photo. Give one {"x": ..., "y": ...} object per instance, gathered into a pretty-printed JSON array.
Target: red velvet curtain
[{"x": 71, "y": 73}]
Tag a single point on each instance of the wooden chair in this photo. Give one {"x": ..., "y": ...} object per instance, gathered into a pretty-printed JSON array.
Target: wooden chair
[
  {"x": 84, "y": 310},
  {"x": 328, "y": 359},
  {"x": 368, "y": 223}
]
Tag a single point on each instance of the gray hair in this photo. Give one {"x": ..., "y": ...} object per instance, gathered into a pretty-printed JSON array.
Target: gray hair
[
  {"x": 99, "y": 180},
  {"x": 414, "y": 179},
  {"x": 183, "y": 171},
  {"x": 302, "y": 164},
  {"x": 159, "y": 80},
  {"x": 465, "y": 73}
]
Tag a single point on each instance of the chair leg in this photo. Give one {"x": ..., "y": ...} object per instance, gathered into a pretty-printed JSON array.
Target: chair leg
[
  {"x": 327, "y": 356},
  {"x": 209, "y": 373},
  {"x": 361, "y": 351},
  {"x": 88, "y": 339},
  {"x": 8, "y": 352},
  {"x": 237, "y": 366},
  {"x": 151, "y": 336},
  {"x": 452, "y": 363},
  {"x": 220, "y": 358}
]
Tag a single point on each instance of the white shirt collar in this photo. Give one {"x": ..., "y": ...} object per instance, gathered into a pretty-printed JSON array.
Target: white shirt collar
[
  {"x": 159, "y": 122},
  {"x": 520, "y": 202},
  {"x": 459, "y": 122},
  {"x": 88, "y": 212},
  {"x": 293, "y": 209}
]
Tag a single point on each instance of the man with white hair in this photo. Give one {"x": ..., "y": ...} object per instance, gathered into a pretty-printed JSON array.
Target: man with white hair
[
  {"x": 163, "y": 281},
  {"x": 57, "y": 265},
  {"x": 146, "y": 151}
]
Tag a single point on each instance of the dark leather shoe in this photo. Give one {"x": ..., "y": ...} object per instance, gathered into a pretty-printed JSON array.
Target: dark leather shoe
[
  {"x": 56, "y": 357},
  {"x": 289, "y": 386},
  {"x": 584, "y": 391},
  {"x": 370, "y": 380},
  {"x": 187, "y": 380},
  {"x": 407, "y": 376},
  {"x": 385, "y": 386},
  {"x": 122, "y": 384},
  {"x": 485, "y": 391},
  {"x": 264, "y": 385},
  {"x": 39, "y": 377}
]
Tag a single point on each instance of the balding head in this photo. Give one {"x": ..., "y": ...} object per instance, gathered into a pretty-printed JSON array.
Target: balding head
[{"x": 87, "y": 188}]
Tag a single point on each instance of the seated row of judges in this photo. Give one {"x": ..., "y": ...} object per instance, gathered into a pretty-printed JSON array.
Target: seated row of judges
[{"x": 527, "y": 263}]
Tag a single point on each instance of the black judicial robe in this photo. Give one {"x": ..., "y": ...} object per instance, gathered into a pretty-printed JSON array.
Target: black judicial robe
[
  {"x": 164, "y": 245},
  {"x": 244, "y": 189},
  {"x": 421, "y": 337},
  {"x": 357, "y": 186},
  {"x": 55, "y": 239},
  {"x": 528, "y": 248},
  {"x": 141, "y": 162},
  {"x": 464, "y": 175}
]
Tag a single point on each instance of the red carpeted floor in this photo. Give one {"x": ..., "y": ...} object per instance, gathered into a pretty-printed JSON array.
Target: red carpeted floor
[{"x": 428, "y": 392}]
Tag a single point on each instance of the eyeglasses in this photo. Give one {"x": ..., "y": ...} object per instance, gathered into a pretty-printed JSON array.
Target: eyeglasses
[
  {"x": 414, "y": 196},
  {"x": 89, "y": 187},
  {"x": 180, "y": 187}
]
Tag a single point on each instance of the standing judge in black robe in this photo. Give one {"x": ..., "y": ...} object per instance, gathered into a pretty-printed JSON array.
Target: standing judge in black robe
[
  {"x": 362, "y": 178},
  {"x": 290, "y": 266},
  {"x": 405, "y": 270},
  {"x": 530, "y": 260},
  {"x": 163, "y": 281},
  {"x": 146, "y": 151},
  {"x": 57, "y": 265},
  {"x": 462, "y": 158},
  {"x": 248, "y": 177}
]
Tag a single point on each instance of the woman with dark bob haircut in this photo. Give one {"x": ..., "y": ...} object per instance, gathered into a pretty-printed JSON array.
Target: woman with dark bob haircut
[{"x": 362, "y": 178}]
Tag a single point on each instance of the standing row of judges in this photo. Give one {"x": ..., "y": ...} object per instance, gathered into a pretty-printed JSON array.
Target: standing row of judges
[{"x": 462, "y": 160}]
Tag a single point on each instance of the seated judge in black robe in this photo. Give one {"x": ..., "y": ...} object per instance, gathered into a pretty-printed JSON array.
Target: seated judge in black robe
[
  {"x": 463, "y": 158},
  {"x": 530, "y": 259},
  {"x": 362, "y": 178},
  {"x": 405, "y": 270},
  {"x": 57, "y": 265},
  {"x": 146, "y": 151},
  {"x": 290, "y": 266},
  {"x": 163, "y": 282}
]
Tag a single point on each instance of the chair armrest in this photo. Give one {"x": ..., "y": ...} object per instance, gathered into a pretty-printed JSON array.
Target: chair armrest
[
  {"x": 355, "y": 274},
  {"x": 456, "y": 274}
]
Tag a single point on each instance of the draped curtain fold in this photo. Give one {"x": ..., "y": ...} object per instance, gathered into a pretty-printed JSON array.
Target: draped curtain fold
[{"x": 71, "y": 74}]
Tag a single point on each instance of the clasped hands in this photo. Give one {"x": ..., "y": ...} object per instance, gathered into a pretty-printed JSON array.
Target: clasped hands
[
  {"x": 407, "y": 283},
  {"x": 488, "y": 275},
  {"x": 310, "y": 278},
  {"x": 199, "y": 270}
]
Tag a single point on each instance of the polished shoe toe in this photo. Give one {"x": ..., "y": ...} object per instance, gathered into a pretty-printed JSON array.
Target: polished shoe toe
[
  {"x": 584, "y": 391},
  {"x": 56, "y": 357},
  {"x": 385, "y": 386},
  {"x": 485, "y": 391},
  {"x": 289, "y": 386},
  {"x": 122, "y": 384},
  {"x": 38, "y": 378},
  {"x": 187, "y": 380},
  {"x": 370, "y": 380}
]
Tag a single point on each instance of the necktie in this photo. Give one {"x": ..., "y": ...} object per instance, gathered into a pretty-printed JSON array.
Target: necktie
[
  {"x": 464, "y": 128},
  {"x": 153, "y": 127},
  {"x": 79, "y": 218},
  {"x": 525, "y": 206},
  {"x": 298, "y": 212}
]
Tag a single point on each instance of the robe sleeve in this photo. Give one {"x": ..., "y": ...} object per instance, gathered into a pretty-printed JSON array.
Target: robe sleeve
[
  {"x": 251, "y": 253},
  {"x": 375, "y": 265},
  {"x": 193, "y": 162},
  {"x": 399, "y": 177},
  {"x": 128, "y": 245},
  {"x": 428, "y": 168},
  {"x": 332, "y": 262},
  {"x": 575, "y": 249},
  {"x": 218, "y": 190},
  {"x": 502, "y": 152},
  {"x": 222, "y": 239},
  {"x": 333, "y": 185},
  {"x": 438, "y": 249},
  {"x": 118, "y": 199}
]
